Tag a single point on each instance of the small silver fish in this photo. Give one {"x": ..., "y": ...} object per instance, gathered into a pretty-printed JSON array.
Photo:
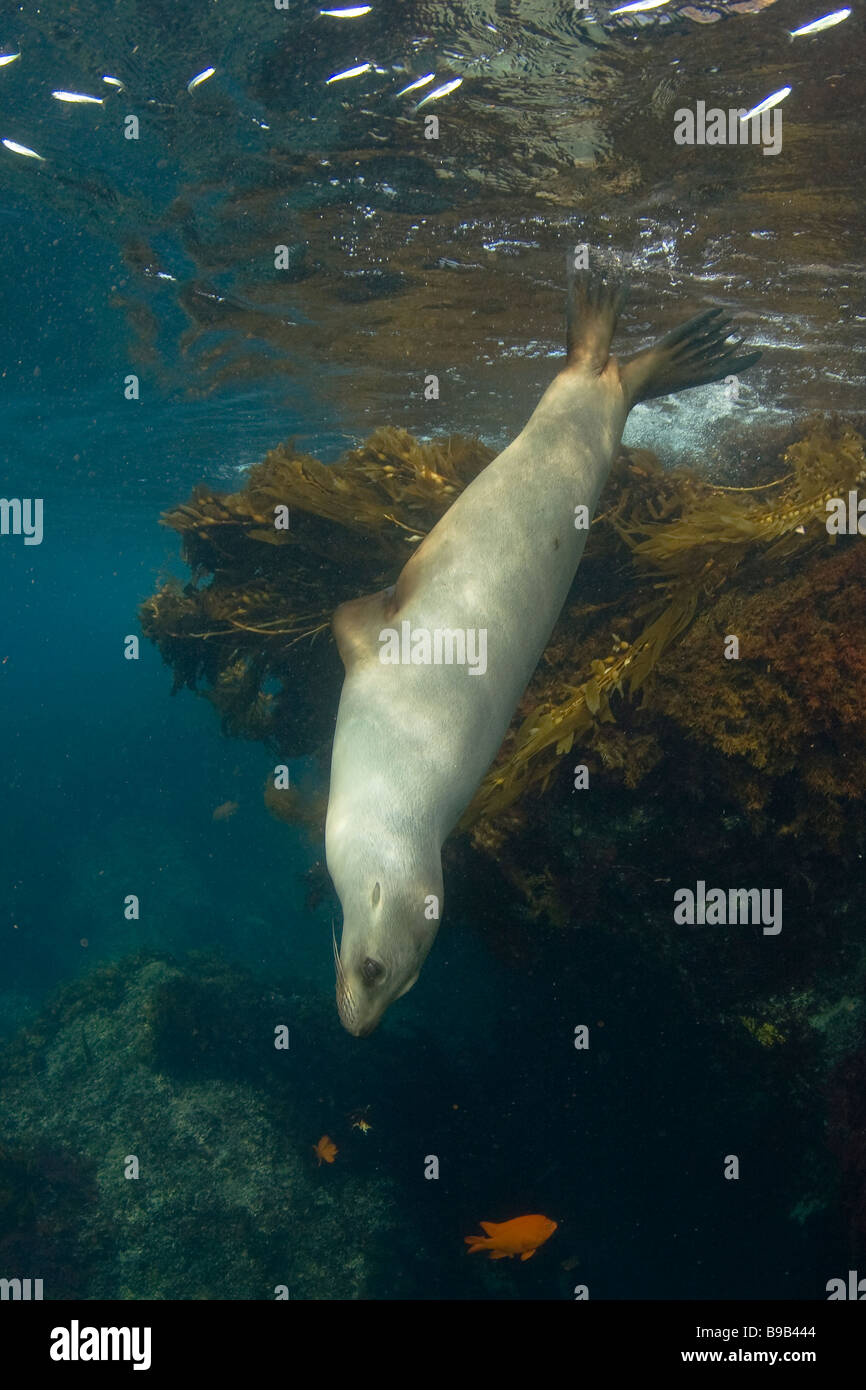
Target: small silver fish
[
  {"x": 199, "y": 78},
  {"x": 817, "y": 25},
  {"x": 440, "y": 92},
  {"x": 349, "y": 72},
  {"x": 22, "y": 149},
  {"x": 78, "y": 97}
]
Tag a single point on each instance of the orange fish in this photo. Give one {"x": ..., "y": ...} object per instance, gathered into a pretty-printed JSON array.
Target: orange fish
[
  {"x": 326, "y": 1149},
  {"x": 227, "y": 809},
  {"x": 522, "y": 1237}
]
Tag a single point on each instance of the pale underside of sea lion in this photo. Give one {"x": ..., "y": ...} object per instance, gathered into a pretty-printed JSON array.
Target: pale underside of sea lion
[{"x": 414, "y": 738}]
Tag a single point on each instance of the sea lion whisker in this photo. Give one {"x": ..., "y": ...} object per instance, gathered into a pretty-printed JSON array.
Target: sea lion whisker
[
  {"x": 345, "y": 1002},
  {"x": 341, "y": 978}
]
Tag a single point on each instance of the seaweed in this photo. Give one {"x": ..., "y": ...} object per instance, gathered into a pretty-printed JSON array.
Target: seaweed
[
  {"x": 725, "y": 561},
  {"x": 248, "y": 631},
  {"x": 672, "y": 565}
]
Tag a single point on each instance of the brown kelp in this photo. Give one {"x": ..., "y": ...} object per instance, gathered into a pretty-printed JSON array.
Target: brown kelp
[
  {"x": 717, "y": 561},
  {"x": 674, "y": 566},
  {"x": 259, "y": 607}
]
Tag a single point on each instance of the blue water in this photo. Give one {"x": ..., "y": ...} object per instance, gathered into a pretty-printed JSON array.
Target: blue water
[{"x": 110, "y": 785}]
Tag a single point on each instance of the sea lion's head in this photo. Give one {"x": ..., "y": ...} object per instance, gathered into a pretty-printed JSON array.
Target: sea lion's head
[{"x": 388, "y": 928}]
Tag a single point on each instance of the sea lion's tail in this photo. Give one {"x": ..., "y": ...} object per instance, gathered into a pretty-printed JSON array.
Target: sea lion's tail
[{"x": 692, "y": 355}]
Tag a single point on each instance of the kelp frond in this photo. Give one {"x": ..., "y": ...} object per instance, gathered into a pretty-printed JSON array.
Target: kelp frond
[
  {"x": 391, "y": 481},
  {"x": 689, "y": 558},
  {"x": 263, "y": 595},
  {"x": 823, "y": 467},
  {"x": 555, "y": 727}
]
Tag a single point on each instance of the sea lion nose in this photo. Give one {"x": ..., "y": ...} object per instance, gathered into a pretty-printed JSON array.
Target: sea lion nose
[{"x": 360, "y": 1028}]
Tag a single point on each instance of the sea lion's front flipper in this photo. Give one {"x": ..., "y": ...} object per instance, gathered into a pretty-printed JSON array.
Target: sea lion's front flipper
[
  {"x": 692, "y": 355},
  {"x": 358, "y": 623}
]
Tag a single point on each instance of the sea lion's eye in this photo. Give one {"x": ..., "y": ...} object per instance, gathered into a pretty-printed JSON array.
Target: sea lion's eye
[
  {"x": 372, "y": 970},
  {"x": 377, "y": 893}
]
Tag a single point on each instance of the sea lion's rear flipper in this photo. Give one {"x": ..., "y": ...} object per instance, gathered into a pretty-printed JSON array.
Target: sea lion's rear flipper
[
  {"x": 593, "y": 307},
  {"x": 692, "y": 355},
  {"x": 357, "y": 625}
]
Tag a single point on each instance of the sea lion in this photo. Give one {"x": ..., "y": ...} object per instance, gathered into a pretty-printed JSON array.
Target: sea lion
[{"x": 436, "y": 665}]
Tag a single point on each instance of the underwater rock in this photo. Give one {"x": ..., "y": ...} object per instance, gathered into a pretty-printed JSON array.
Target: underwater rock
[
  {"x": 43, "y": 1190},
  {"x": 175, "y": 1065}
]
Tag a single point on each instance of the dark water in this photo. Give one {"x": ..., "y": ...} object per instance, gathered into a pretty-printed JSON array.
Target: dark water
[{"x": 155, "y": 257}]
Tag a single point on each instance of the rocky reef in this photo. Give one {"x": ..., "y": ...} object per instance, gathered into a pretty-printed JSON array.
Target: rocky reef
[{"x": 174, "y": 1065}]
